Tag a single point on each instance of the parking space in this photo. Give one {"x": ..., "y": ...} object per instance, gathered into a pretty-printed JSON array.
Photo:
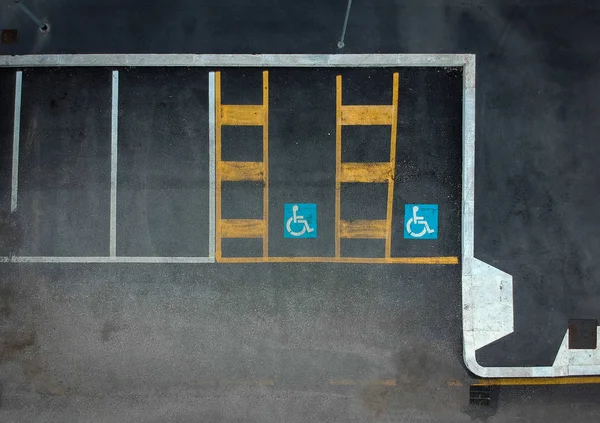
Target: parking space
[
  {"x": 62, "y": 195},
  {"x": 354, "y": 204},
  {"x": 163, "y": 163},
  {"x": 344, "y": 141}
]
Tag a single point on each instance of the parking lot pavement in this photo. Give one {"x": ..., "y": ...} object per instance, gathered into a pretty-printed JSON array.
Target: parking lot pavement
[
  {"x": 537, "y": 82},
  {"x": 163, "y": 172},
  {"x": 64, "y": 163}
]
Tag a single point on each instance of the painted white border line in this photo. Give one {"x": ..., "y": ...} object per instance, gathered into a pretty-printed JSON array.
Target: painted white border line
[
  {"x": 16, "y": 141},
  {"x": 114, "y": 134},
  {"x": 50, "y": 259},
  {"x": 212, "y": 192},
  {"x": 263, "y": 60}
]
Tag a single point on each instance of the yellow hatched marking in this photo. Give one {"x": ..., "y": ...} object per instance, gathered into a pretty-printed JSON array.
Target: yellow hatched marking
[
  {"x": 242, "y": 171},
  {"x": 242, "y": 115},
  {"x": 363, "y": 229},
  {"x": 365, "y": 172},
  {"x": 242, "y": 228},
  {"x": 367, "y": 115},
  {"x": 234, "y": 171},
  {"x": 390, "y": 199}
]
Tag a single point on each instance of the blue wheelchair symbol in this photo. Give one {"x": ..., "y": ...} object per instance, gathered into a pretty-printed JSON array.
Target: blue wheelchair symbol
[
  {"x": 300, "y": 221},
  {"x": 420, "y": 221}
]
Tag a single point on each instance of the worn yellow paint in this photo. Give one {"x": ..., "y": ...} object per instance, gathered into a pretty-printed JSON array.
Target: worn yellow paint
[
  {"x": 345, "y": 172},
  {"x": 244, "y": 115},
  {"x": 570, "y": 380},
  {"x": 242, "y": 228},
  {"x": 384, "y": 382},
  {"x": 354, "y": 382},
  {"x": 365, "y": 172},
  {"x": 259, "y": 382},
  {"x": 242, "y": 171},
  {"x": 390, "y": 199},
  {"x": 265, "y": 124},
  {"x": 357, "y": 260},
  {"x": 342, "y": 382},
  {"x": 363, "y": 229},
  {"x": 454, "y": 383},
  {"x": 367, "y": 115},
  {"x": 338, "y": 160},
  {"x": 234, "y": 382}
]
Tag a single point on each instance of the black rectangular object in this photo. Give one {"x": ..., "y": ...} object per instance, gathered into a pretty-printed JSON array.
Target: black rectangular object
[
  {"x": 583, "y": 334},
  {"x": 480, "y": 395}
]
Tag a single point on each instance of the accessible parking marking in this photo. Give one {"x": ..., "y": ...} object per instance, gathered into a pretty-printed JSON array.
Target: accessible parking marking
[{"x": 347, "y": 115}]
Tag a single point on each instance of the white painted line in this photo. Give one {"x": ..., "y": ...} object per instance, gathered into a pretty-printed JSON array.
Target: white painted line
[
  {"x": 212, "y": 60},
  {"x": 211, "y": 164},
  {"x": 340, "y": 43},
  {"x": 113, "y": 163},
  {"x": 16, "y": 141},
  {"x": 50, "y": 259}
]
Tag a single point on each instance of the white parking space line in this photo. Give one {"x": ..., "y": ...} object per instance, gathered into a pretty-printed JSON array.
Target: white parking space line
[
  {"x": 16, "y": 141},
  {"x": 50, "y": 259},
  {"x": 211, "y": 164},
  {"x": 113, "y": 163},
  {"x": 235, "y": 60}
]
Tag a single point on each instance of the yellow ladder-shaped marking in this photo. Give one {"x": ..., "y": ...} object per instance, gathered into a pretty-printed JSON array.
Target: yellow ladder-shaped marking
[
  {"x": 365, "y": 172},
  {"x": 237, "y": 171}
]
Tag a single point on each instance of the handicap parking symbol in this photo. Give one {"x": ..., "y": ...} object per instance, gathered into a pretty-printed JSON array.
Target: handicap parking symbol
[
  {"x": 420, "y": 221},
  {"x": 300, "y": 221}
]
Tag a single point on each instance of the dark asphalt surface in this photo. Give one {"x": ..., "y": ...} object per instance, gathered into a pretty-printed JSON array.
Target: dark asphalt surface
[
  {"x": 162, "y": 200},
  {"x": 537, "y": 151}
]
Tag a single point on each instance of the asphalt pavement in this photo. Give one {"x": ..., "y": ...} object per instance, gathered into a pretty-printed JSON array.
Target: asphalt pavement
[{"x": 285, "y": 342}]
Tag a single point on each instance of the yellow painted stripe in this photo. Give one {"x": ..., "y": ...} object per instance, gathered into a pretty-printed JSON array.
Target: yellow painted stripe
[
  {"x": 354, "y": 382},
  {"x": 242, "y": 228},
  {"x": 363, "y": 229},
  {"x": 390, "y": 199},
  {"x": 234, "y": 382},
  {"x": 242, "y": 115},
  {"x": 367, "y": 115},
  {"x": 265, "y": 124},
  {"x": 241, "y": 171},
  {"x": 365, "y": 172},
  {"x": 454, "y": 383},
  {"x": 358, "y": 260},
  {"x": 260, "y": 382},
  {"x": 570, "y": 380}
]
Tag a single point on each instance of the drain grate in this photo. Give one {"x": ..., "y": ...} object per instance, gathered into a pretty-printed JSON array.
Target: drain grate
[
  {"x": 480, "y": 395},
  {"x": 9, "y": 36},
  {"x": 583, "y": 334}
]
